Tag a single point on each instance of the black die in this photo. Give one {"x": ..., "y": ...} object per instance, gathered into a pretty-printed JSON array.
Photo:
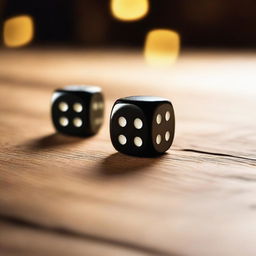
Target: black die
[
  {"x": 142, "y": 125},
  {"x": 78, "y": 110}
]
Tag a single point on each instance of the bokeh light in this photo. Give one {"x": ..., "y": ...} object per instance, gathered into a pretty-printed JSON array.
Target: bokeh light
[
  {"x": 162, "y": 47},
  {"x": 129, "y": 10},
  {"x": 18, "y": 31}
]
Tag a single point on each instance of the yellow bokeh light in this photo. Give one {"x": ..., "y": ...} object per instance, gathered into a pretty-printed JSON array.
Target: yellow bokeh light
[
  {"x": 18, "y": 31},
  {"x": 129, "y": 10},
  {"x": 162, "y": 47}
]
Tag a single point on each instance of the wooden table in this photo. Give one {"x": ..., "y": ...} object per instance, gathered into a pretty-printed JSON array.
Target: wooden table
[{"x": 61, "y": 195}]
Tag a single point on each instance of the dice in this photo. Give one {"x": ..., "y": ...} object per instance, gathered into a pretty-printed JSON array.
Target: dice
[
  {"x": 78, "y": 110},
  {"x": 142, "y": 125}
]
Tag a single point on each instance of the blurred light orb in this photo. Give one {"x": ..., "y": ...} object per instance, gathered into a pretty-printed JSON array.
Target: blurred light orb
[
  {"x": 18, "y": 31},
  {"x": 129, "y": 10},
  {"x": 161, "y": 47}
]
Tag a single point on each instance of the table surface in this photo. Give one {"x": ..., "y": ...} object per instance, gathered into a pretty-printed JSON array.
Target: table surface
[{"x": 62, "y": 195}]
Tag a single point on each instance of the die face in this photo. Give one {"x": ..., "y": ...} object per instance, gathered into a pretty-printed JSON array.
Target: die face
[
  {"x": 163, "y": 127},
  {"x": 144, "y": 99},
  {"x": 147, "y": 104},
  {"x": 77, "y": 89},
  {"x": 71, "y": 110},
  {"x": 129, "y": 129},
  {"x": 70, "y": 114},
  {"x": 96, "y": 112}
]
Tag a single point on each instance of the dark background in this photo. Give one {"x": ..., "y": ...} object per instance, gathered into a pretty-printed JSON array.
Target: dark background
[{"x": 201, "y": 23}]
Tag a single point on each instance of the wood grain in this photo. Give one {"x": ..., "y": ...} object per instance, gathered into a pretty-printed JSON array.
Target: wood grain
[{"x": 61, "y": 195}]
